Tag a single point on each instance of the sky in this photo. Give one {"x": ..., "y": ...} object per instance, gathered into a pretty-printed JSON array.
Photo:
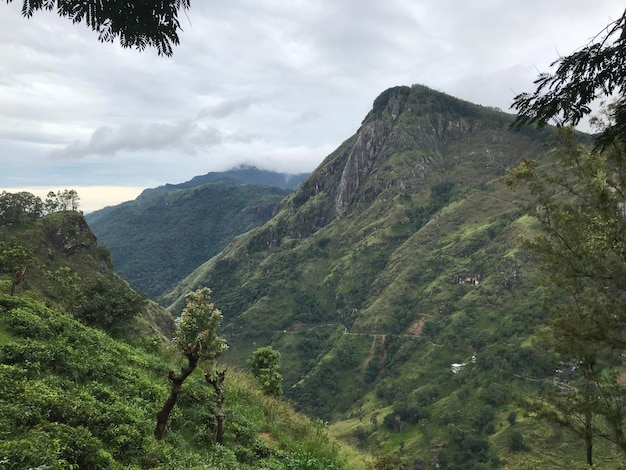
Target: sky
[{"x": 275, "y": 84}]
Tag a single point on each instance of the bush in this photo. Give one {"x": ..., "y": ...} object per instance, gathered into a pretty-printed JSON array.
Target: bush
[
  {"x": 70, "y": 446},
  {"x": 107, "y": 305},
  {"x": 516, "y": 442},
  {"x": 512, "y": 418}
]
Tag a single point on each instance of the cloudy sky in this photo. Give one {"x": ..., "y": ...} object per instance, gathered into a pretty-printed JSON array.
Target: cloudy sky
[{"x": 277, "y": 84}]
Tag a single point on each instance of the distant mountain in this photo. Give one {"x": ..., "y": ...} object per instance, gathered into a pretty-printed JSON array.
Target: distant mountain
[
  {"x": 243, "y": 174},
  {"x": 163, "y": 235},
  {"x": 393, "y": 283}
]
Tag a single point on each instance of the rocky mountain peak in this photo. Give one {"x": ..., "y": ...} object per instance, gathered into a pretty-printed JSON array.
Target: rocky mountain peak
[{"x": 416, "y": 121}]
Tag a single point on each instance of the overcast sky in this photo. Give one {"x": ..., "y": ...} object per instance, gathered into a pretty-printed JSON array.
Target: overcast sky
[{"x": 277, "y": 84}]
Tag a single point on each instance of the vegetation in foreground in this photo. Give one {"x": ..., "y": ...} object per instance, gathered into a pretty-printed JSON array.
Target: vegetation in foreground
[
  {"x": 73, "y": 397},
  {"x": 84, "y": 366}
]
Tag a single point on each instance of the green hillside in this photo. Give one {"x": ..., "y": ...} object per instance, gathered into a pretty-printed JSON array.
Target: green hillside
[
  {"x": 163, "y": 235},
  {"x": 397, "y": 258},
  {"x": 81, "y": 397},
  {"x": 73, "y": 397}
]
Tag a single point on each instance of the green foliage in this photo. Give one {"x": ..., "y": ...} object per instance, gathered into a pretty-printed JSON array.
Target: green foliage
[
  {"x": 66, "y": 286},
  {"x": 581, "y": 250},
  {"x": 18, "y": 208},
  {"x": 516, "y": 441},
  {"x": 136, "y": 25},
  {"x": 61, "y": 201},
  {"x": 440, "y": 195},
  {"x": 144, "y": 235},
  {"x": 24, "y": 207},
  {"x": 198, "y": 325},
  {"x": 72, "y": 397},
  {"x": 593, "y": 71},
  {"x": 14, "y": 260},
  {"x": 465, "y": 450},
  {"x": 265, "y": 367},
  {"x": 109, "y": 305}
]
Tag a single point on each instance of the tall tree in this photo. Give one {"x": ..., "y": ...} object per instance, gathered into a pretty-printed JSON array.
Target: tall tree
[
  {"x": 17, "y": 208},
  {"x": 580, "y": 206},
  {"x": 582, "y": 253},
  {"x": 196, "y": 336},
  {"x": 66, "y": 200},
  {"x": 138, "y": 24},
  {"x": 265, "y": 366}
]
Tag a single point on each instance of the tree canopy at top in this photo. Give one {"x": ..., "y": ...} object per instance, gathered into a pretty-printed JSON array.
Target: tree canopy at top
[
  {"x": 597, "y": 70},
  {"x": 138, "y": 24}
]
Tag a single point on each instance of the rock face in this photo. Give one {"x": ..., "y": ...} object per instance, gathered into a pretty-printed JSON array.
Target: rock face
[
  {"x": 73, "y": 235},
  {"x": 403, "y": 119}
]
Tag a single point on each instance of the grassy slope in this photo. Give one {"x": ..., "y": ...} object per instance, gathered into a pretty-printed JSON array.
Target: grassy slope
[{"x": 74, "y": 396}]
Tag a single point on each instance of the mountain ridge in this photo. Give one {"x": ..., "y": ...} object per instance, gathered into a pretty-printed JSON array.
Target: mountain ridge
[
  {"x": 398, "y": 257},
  {"x": 144, "y": 235}
]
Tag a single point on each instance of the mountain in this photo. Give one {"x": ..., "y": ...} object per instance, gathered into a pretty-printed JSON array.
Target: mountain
[
  {"x": 243, "y": 174},
  {"x": 393, "y": 283},
  {"x": 163, "y": 235},
  {"x": 63, "y": 255}
]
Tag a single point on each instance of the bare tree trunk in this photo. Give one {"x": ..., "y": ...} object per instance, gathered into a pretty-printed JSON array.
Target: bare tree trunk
[
  {"x": 192, "y": 353},
  {"x": 19, "y": 277},
  {"x": 218, "y": 386},
  {"x": 589, "y": 438}
]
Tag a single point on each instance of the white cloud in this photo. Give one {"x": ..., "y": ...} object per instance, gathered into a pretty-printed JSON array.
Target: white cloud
[{"x": 186, "y": 136}]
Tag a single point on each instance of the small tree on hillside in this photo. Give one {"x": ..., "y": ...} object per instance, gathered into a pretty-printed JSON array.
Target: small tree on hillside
[
  {"x": 14, "y": 259},
  {"x": 196, "y": 336},
  {"x": 265, "y": 367},
  {"x": 109, "y": 305}
]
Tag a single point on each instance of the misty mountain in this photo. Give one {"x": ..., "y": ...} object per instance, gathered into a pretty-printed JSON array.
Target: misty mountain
[{"x": 165, "y": 233}]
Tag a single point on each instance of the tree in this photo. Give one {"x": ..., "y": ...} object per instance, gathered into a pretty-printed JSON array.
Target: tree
[
  {"x": 17, "y": 208},
  {"x": 51, "y": 204},
  {"x": 196, "y": 336},
  {"x": 14, "y": 259},
  {"x": 67, "y": 200},
  {"x": 582, "y": 255},
  {"x": 106, "y": 304},
  {"x": 152, "y": 23},
  {"x": 564, "y": 97},
  {"x": 264, "y": 365},
  {"x": 580, "y": 206},
  {"x": 217, "y": 381}
]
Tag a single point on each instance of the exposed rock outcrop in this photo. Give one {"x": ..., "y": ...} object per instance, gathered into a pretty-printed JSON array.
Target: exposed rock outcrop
[{"x": 415, "y": 120}]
